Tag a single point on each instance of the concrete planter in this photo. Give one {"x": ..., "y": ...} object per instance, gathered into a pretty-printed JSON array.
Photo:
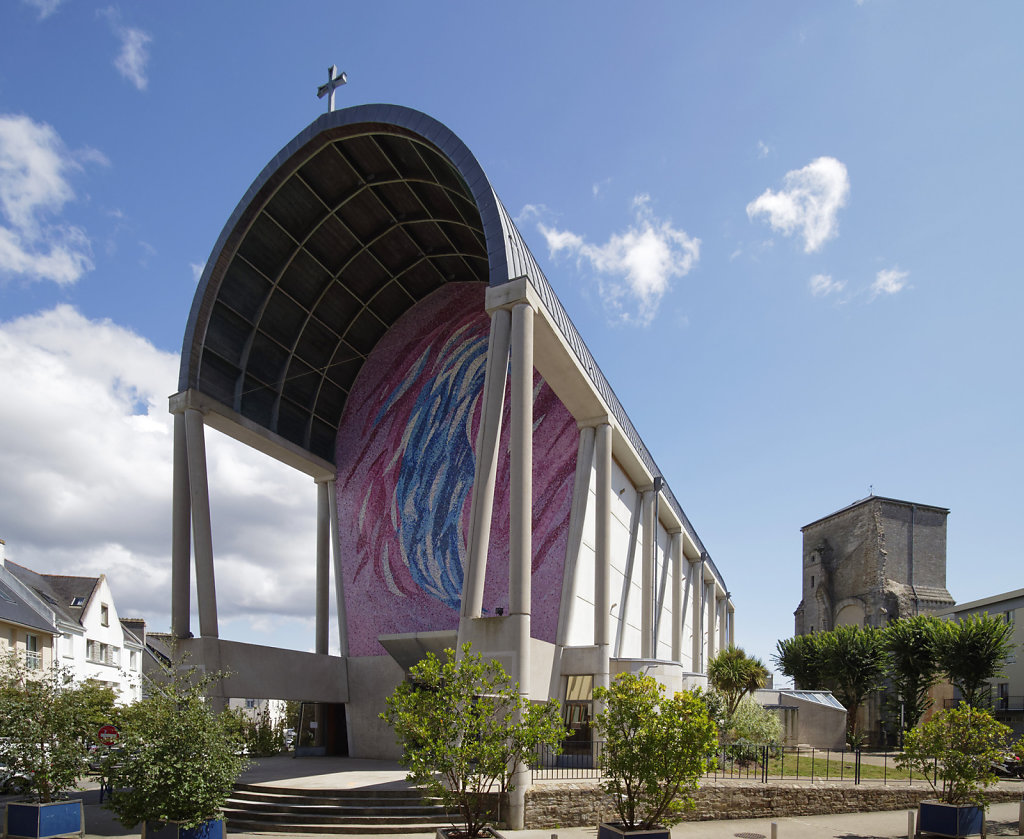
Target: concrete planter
[
  {"x": 209, "y": 829},
  {"x": 27, "y": 820},
  {"x": 615, "y": 830},
  {"x": 950, "y": 819}
]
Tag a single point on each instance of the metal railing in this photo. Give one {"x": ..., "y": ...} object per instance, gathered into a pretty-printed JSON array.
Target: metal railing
[
  {"x": 33, "y": 661},
  {"x": 753, "y": 763},
  {"x": 992, "y": 703}
]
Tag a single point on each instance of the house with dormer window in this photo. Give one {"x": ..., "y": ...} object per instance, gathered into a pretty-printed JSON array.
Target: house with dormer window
[{"x": 91, "y": 641}]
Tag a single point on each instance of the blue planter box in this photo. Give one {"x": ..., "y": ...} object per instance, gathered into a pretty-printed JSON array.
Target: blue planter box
[
  {"x": 25, "y": 820},
  {"x": 950, "y": 819},
  {"x": 209, "y": 829}
]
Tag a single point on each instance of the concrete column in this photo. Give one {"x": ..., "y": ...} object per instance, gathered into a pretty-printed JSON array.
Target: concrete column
[
  {"x": 577, "y": 516},
  {"x": 488, "y": 435},
  {"x": 339, "y": 581},
  {"x": 676, "y": 549},
  {"x": 202, "y": 530},
  {"x": 602, "y": 551},
  {"x": 723, "y": 638},
  {"x": 521, "y": 523},
  {"x": 647, "y": 577},
  {"x": 181, "y": 535},
  {"x": 323, "y": 566},
  {"x": 709, "y": 606},
  {"x": 521, "y": 457},
  {"x": 731, "y": 613},
  {"x": 696, "y": 626}
]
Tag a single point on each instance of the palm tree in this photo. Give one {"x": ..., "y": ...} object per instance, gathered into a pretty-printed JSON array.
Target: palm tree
[
  {"x": 733, "y": 674},
  {"x": 973, "y": 650}
]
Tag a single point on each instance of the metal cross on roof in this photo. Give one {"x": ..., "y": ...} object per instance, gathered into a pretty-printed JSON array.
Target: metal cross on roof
[{"x": 333, "y": 81}]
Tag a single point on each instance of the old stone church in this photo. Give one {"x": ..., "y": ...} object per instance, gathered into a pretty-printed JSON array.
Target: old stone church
[{"x": 872, "y": 562}]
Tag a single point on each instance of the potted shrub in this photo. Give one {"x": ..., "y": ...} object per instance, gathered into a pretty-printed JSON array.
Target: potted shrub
[
  {"x": 656, "y": 749},
  {"x": 178, "y": 759},
  {"x": 955, "y": 751},
  {"x": 464, "y": 727},
  {"x": 38, "y": 727}
]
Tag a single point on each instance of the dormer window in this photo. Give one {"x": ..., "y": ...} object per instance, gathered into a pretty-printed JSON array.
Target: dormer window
[{"x": 77, "y": 601}]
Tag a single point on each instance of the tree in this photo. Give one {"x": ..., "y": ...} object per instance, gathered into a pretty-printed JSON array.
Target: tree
[
  {"x": 95, "y": 706},
  {"x": 854, "y": 666},
  {"x": 733, "y": 674},
  {"x": 800, "y": 659},
  {"x": 464, "y": 727},
  {"x": 750, "y": 727},
  {"x": 911, "y": 644},
  {"x": 39, "y": 727},
  {"x": 655, "y": 751},
  {"x": 958, "y": 746},
  {"x": 179, "y": 759},
  {"x": 973, "y": 650}
]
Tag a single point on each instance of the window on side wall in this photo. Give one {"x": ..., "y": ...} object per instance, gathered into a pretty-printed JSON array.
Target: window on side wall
[{"x": 104, "y": 614}]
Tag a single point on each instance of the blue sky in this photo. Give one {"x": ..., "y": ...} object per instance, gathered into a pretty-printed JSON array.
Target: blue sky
[{"x": 788, "y": 232}]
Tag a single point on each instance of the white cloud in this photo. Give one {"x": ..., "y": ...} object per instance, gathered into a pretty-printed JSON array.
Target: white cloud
[
  {"x": 808, "y": 203},
  {"x": 889, "y": 281},
  {"x": 34, "y": 186},
  {"x": 822, "y": 285},
  {"x": 763, "y": 149},
  {"x": 44, "y": 7},
  {"x": 134, "y": 55},
  {"x": 635, "y": 268},
  {"x": 85, "y": 474},
  {"x": 197, "y": 270}
]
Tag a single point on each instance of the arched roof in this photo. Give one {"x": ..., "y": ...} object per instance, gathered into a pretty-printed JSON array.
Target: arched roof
[
  {"x": 362, "y": 215},
  {"x": 365, "y": 213}
]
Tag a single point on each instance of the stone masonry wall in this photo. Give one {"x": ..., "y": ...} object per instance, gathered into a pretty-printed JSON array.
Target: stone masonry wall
[{"x": 551, "y": 806}]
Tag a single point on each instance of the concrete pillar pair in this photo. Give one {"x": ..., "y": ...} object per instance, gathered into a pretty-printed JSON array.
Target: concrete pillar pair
[
  {"x": 191, "y": 518},
  {"x": 511, "y": 335}
]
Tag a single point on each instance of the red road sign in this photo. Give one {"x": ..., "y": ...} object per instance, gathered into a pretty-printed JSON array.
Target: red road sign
[{"x": 108, "y": 735}]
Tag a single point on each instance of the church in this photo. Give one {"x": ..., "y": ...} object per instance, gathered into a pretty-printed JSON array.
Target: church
[{"x": 371, "y": 316}]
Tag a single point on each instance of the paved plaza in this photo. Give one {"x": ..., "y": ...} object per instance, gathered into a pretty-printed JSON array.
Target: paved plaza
[{"x": 349, "y": 773}]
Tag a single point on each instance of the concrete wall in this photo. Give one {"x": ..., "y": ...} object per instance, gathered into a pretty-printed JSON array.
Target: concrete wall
[{"x": 372, "y": 680}]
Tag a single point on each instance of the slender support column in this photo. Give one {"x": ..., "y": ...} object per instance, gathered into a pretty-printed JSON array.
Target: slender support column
[
  {"x": 722, "y": 626},
  {"x": 181, "y": 534},
  {"x": 339, "y": 581},
  {"x": 488, "y": 435},
  {"x": 202, "y": 530},
  {"x": 521, "y": 523},
  {"x": 709, "y": 607},
  {"x": 731, "y": 613},
  {"x": 602, "y": 551},
  {"x": 521, "y": 456},
  {"x": 696, "y": 595},
  {"x": 577, "y": 515},
  {"x": 323, "y": 566},
  {"x": 676, "y": 548},
  {"x": 647, "y": 578}
]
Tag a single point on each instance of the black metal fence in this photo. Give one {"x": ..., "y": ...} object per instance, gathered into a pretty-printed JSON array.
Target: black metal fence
[{"x": 754, "y": 763}]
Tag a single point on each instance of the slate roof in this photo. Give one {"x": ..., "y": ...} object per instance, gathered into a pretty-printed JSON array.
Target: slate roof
[
  {"x": 58, "y": 592},
  {"x": 14, "y": 609}
]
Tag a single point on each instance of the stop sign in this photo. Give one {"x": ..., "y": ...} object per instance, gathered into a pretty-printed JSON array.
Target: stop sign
[{"x": 107, "y": 735}]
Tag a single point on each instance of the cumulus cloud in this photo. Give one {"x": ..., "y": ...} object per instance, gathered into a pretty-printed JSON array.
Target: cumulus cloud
[
  {"x": 44, "y": 7},
  {"x": 34, "y": 187},
  {"x": 889, "y": 281},
  {"x": 822, "y": 285},
  {"x": 134, "y": 55},
  {"x": 85, "y": 473},
  {"x": 634, "y": 269},
  {"x": 808, "y": 204}
]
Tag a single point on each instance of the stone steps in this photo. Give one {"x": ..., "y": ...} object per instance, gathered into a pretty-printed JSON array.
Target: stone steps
[{"x": 264, "y": 809}]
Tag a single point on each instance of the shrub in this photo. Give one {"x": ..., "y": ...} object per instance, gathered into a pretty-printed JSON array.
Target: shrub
[{"x": 656, "y": 749}]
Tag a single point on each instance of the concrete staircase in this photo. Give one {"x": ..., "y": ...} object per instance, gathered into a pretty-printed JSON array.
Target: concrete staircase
[{"x": 266, "y": 809}]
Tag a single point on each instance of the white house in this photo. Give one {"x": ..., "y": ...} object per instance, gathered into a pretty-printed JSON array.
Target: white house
[{"x": 91, "y": 641}]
